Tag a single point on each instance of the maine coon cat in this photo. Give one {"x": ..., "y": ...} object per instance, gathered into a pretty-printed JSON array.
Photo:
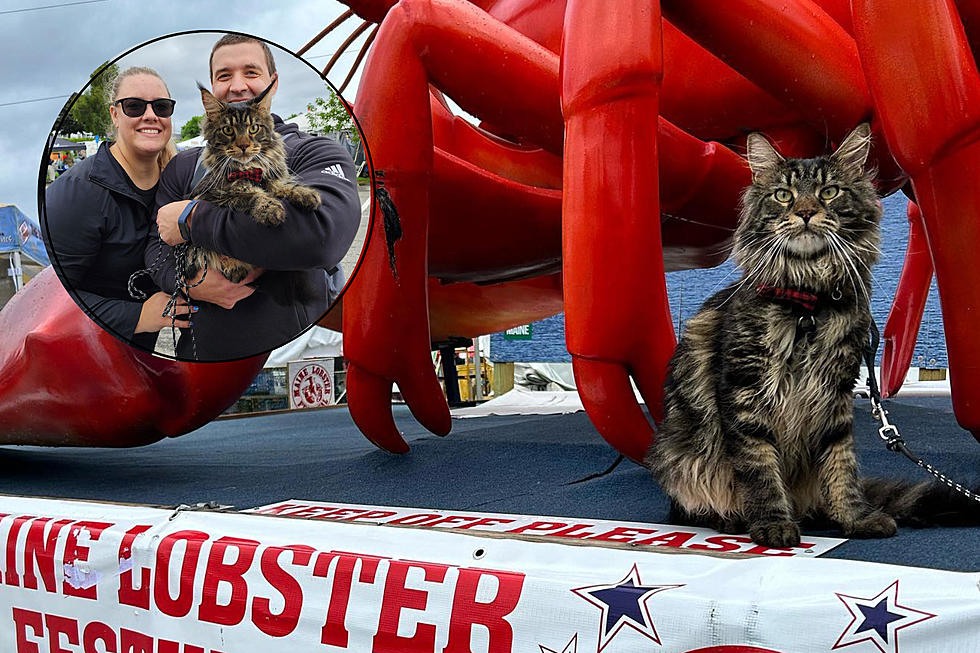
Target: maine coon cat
[
  {"x": 757, "y": 432},
  {"x": 246, "y": 163}
]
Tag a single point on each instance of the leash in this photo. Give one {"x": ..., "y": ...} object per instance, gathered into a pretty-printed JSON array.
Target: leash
[
  {"x": 888, "y": 431},
  {"x": 180, "y": 286}
]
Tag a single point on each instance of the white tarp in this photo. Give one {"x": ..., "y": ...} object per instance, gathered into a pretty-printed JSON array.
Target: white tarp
[
  {"x": 315, "y": 343},
  {"x": 521, "y": 401},
  {"x": 81, "y": 577}
]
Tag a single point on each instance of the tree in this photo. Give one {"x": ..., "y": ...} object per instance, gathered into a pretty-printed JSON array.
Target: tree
[
  {"x": 91, "y": 109},
  {"x": 66, "y": 122},
  {"x": 191, "y": 128},
  {"x": 332, "y": 115}
]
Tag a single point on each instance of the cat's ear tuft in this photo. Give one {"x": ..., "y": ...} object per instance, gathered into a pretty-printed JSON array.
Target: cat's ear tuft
[
  {"x": 853, "y": 151},
  {"x": 264, "y": 99},
  {"x": 761, "y": 154},
  {"x": 212, "y": 105}
]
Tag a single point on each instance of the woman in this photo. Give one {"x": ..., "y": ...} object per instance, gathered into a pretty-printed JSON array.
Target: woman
[{"x": 97, "y": 215}]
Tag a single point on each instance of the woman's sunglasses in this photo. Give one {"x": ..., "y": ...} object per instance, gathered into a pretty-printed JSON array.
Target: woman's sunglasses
[{"x": 135, "y": 107}]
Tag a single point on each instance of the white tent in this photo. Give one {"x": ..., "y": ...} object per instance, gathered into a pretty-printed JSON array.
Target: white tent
[
  {"x": 197, "y": 141},
  {"x": 315, "y": 343}
]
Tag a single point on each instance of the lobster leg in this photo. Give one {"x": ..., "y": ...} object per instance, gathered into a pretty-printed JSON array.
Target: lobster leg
[
  {"x": 902, "y": 327},
  {"x": 617, "y": 316},
  {"x": 64, "y": 381},
  {"x": 449, "y": 43},
  {"x": 929, "y": 107}
]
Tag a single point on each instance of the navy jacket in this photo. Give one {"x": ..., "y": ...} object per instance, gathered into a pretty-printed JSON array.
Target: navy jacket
[
  {"x": 95, "y": 224},
  {"x": 308, "y": 243}
]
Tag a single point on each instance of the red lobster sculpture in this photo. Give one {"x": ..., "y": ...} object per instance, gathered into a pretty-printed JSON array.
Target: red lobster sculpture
[{"x": 607, "y": 155}]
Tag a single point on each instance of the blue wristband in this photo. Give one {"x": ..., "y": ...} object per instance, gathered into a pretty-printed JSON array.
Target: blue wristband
[{"x": 185, "y": 231}]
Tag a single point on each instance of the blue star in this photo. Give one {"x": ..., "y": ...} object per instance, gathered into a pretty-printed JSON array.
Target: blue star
[
  {"x": 623, "y": 604},
  {"x": 877, "y": 617},
  {"x": 623, "y": 601}
]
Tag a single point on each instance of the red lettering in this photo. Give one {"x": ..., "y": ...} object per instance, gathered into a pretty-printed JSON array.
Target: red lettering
[
  {"x": 376, "y": 514},
  {"x": 281, "y": 508},
  {"x": 489, "y": 521},
  {"x": 722, "y": 543},
  {"x": 538, "y": 526},
  {"x": 138, "y": 597},
  {"x": 78, "y": 551},
  {"x": 623, "y": 534},
  {"x": 334, "y": 632},
  {"x": 39, "y": 552},
  {"x": 181, "y": 605},
  {"x": 23, "y": 619},
  {"x": 678, "y": 539},
  {"x": 344, "y": 513},
  {"x": 314, "y": 512},
  {"x": 766, "y": 551},
  {"x": 396, "y": 597},
  {"x": 217, "y": 572},
  {"x": 285, "y": 622},
  {"x": 12, "y": 578},
  {"x": 417, "y": 519},
  {"x": 131, "y": 641},
  {"x": 99, "y": 632},
  {"x": 571, "y": 531},
  {"x": 166, "y": 646},
  {"x": 58, "y": 626},
  {"x": 467, "y": 611},
  {"x": 452, "y": 519}
]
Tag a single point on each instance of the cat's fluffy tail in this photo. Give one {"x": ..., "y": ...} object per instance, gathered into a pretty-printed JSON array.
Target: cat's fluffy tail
[{"x": 922, "y": 504}]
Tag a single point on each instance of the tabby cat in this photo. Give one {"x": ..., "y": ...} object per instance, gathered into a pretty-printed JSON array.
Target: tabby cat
[
  {"x": 246, "y": 163},
  {"x": 757, "y": 432}
]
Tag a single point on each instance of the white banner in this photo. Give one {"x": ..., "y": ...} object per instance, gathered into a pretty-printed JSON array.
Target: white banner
[
  {"x": 569, "y": 528},
  {"x": 81, "y": 577}
]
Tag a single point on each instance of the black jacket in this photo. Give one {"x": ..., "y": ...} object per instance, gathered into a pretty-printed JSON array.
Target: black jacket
[
  {"x": 310, "y": 243},
  {"x": 95, "y": 223}
]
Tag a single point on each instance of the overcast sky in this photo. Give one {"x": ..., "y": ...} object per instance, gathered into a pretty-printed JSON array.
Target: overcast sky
[{"x": 50, "y": 53}]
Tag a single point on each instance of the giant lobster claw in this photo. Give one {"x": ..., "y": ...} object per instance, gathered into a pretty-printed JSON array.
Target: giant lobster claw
[
  {"x": 902, "y": 327},
  {"x": 65, "y": 381},
  {"x": 929, "y": 108},
  {"x": 617, "y": 317}
]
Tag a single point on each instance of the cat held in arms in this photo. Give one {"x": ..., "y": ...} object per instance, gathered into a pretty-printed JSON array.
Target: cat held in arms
[
  {"x": 246, "y": 163},
  {"x": 757, "y": 433}
]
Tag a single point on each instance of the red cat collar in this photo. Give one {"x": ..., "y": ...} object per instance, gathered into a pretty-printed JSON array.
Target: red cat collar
[
  {"x": 253, "y": 175},
  {"x": 805, "y": 299}
]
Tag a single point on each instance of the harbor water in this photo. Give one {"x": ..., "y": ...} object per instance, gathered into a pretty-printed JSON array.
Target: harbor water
[{"x": 688, "y": 289}]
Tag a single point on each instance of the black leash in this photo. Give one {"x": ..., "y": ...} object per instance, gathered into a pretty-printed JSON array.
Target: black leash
[
  {"x": 181, "y": 287},
  {"x": 888, "y": 431},
  {"x": 599, "y": 474}
]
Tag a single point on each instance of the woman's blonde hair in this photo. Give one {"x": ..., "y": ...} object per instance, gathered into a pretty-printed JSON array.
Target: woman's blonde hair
[{"x": 170, "y": 149}]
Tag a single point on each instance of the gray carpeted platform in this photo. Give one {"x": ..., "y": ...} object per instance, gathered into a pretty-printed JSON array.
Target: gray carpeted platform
[{"x": 499, "y": 464}]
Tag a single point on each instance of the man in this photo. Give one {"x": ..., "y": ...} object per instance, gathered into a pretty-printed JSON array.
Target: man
[{"x": 251, "y": 317}]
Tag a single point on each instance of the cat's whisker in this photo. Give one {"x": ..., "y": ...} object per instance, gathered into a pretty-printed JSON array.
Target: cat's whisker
[
  {"x": 857, "y": 279},
  {"x": 855, "y": 257}
]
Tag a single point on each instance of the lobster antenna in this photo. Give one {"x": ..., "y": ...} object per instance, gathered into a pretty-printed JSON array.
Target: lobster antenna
[
  {"x": 350, "y": 39},
  {"x": 360, "y": 56},
  {"x": 326, "y": 30}
]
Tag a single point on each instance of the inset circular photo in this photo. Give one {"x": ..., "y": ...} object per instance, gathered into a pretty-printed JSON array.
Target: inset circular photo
[{"x": 201, "y": 196}]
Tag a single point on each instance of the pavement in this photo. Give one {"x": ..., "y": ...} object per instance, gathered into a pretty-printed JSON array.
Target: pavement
[{"x": 516, "y": 464}]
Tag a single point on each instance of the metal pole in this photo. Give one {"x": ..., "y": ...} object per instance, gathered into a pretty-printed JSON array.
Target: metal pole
[
  {"x": 15, "y": 271},
  {"x": 449, "y": 374},
  {"x": 478, "y": 372}
]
